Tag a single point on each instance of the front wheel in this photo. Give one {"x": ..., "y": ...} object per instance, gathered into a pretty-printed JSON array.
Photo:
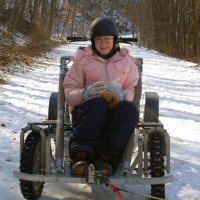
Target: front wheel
[
  {"x": 157, "y": 158},
  {"x": 31, "y": 163}
]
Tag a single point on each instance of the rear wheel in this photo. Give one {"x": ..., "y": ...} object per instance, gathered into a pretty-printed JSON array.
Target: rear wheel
[
  {"x": 151, "y": 108},
  {"x": 31, "y": 163},
  {"x": 53, "y": 102},
  {"x": 52, "y": 112},
  {"x": 157, "y": 154}
]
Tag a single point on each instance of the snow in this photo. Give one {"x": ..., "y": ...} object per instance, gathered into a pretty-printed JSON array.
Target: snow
[
  {"x": 25, "y": 99},
  {"x": 20, "y": 39}
]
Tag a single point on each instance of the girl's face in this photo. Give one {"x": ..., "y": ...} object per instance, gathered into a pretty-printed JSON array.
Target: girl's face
[{"x": 104, "y": 44}]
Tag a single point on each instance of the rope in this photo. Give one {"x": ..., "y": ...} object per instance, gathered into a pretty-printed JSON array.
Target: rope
[
  {"x": 137, "y": 193},
  {"x": 118, "y": 190}
]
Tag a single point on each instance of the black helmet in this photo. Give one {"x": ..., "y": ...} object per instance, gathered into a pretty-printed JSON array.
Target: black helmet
[{"x": 103, "y": 26}]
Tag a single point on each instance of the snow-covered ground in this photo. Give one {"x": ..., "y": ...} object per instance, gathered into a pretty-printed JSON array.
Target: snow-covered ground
[{"x": 25, "y": 99}]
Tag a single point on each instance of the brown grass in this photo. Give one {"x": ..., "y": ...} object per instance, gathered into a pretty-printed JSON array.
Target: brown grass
[{"x": 11, "y": 54}]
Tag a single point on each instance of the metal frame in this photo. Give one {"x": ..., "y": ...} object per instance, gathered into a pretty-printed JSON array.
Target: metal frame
[
  {"x": 135, "y": 172},
  {"x": 132, "y": 170}
]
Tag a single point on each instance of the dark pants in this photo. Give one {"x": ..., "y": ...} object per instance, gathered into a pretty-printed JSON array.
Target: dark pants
[{"x": 102, "y": 131}]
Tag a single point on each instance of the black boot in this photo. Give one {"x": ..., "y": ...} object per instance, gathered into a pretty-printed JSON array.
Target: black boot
[
  {"x": 80, "y": 164},
  {"x": 103, "y": 166}
]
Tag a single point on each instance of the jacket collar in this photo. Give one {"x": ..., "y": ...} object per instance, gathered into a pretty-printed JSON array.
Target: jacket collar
[
  {"x": 88, "y": 52},
  {"x": 122, "y": 53}
]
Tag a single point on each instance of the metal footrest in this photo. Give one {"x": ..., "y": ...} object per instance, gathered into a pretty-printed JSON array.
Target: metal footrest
[{"x": 61, "y": 178}]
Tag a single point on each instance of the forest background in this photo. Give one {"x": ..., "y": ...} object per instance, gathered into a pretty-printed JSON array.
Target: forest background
[{"x": 169, "y": 26}]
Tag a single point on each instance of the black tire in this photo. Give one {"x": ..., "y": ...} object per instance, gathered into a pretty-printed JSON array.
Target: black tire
[
  {"x": 31, "y": 163},
  {"x": 53, "y": 102},
  {"x": 67, "y": 114},
  {"x": 157, "y": 154},
  {"x": 151, "y": 108}
]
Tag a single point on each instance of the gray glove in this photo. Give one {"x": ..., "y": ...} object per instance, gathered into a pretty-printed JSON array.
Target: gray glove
[{"x": 93, "y": 90}]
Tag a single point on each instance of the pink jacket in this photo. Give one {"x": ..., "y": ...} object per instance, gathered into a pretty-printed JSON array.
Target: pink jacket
[{"x": 88, "y": 68}]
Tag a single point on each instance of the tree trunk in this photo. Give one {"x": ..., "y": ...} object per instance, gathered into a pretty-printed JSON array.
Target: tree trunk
[
  {"x": 14, "y": 17},
  {"x": 51, "y": 16}
]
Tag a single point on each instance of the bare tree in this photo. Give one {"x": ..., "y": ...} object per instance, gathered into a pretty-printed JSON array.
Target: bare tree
[{"x": 170, "y": 26}]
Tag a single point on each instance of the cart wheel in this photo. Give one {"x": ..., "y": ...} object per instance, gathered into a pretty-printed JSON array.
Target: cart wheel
[
  {"x": 151, "y": 108},
  {"x": 157, "y": 154},
  {"x": 31, "y": 163},
  {"x": 53, "y": 102}
]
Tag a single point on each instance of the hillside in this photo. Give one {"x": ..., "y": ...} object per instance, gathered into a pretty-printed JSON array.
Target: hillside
[{"x": 20, "y": 51}]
